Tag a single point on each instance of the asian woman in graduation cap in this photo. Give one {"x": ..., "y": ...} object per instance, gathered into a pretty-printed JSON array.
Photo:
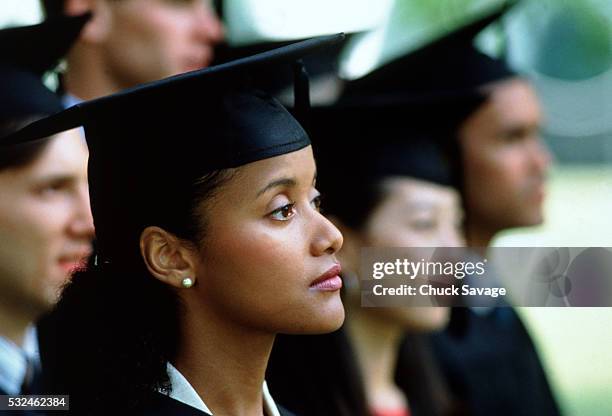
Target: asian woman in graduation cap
[
  {"x": 390, "y": 181},
  {"x": 209, "y": 241},
  {"x": 45, "y": 220},
  {"x": 487, "y": 355}
]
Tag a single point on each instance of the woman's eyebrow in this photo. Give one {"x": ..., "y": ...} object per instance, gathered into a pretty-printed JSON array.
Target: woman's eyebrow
[
  {"x": 287, "y": 182},
  {"x": 59, "y": 177},
  {"x": 420, "y": 205}
]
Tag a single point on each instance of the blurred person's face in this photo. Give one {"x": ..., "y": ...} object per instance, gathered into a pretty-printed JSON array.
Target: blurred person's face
[
  {"x": 414, "y": 213},
  {"x": 146, "y": 40},
  {"x": 46, "y": 226},
  {"x": 504, "y": 159}
]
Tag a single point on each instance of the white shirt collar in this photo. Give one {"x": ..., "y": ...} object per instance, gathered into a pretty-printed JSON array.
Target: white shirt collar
[
  {"x": 184, "y": 392},
  {"x": 30, "y": 344},
  {"x": 13, "y": 366},
  {"x": 270, "y": 408}
]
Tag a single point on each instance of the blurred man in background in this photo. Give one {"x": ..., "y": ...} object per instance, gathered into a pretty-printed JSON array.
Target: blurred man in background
[
  {"x": 488, "y": 354},
  {"x": 504, "y": 160},
  {"x": 46, "y": 226},
  {"x": 129, "y": 42}
]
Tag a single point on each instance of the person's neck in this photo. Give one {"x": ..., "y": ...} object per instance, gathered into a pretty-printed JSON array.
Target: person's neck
[
  {"x": 88, "y": 77},
  {"x": 13, "y": 325},
  {"x": 376, "y": 342},
  {"x": 224, "y": 363},
  {"x": 479, "y": 237}
]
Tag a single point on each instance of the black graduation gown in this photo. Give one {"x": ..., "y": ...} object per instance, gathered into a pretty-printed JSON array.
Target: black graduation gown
[{"x": 493, "y": 366}]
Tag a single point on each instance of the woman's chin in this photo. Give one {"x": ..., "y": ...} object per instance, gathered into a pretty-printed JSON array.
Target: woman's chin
[{"x": 326, "y": 318}]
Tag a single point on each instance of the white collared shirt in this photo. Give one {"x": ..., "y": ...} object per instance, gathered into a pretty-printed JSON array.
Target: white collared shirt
[
  {"x": 14, "y": 360},
  {"x": 30, "y": 344},
  {"x": 184, "y": 392},
  {"x": 13, "y": 365}
]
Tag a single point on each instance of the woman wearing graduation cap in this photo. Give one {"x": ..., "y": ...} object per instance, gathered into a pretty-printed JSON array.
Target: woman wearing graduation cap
[
  {"x": 45, "y": 220},
  {"x": 389, "y": 182},
  {"x": 209, "y": 241}
]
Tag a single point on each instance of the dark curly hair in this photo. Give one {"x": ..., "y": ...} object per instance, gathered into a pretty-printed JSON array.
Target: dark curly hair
[{"x": 115, "y": 328}]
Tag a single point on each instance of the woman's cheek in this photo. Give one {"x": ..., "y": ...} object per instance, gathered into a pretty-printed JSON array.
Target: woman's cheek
[{"x": 266, "y": 248}]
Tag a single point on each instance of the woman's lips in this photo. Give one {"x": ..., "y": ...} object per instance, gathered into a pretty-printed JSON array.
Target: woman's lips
[{"x": 328, "y": 281}]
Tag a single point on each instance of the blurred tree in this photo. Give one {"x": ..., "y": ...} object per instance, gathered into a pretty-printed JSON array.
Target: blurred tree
[{"x": 576, "y": 43}]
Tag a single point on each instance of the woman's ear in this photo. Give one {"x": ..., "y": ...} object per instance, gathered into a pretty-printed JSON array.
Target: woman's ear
[{"x": 168, "y": 258}]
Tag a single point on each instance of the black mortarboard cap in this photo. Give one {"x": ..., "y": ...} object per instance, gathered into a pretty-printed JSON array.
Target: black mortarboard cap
[
  {"x": 358, "y": 147},
  {"x": 363, "y": 143},
  {"x": 278, "y": 80},
  {"x": 26, "y": 53},
  {"x": 401, "y": 119},
  {"x": 150, "y": 144},
  {"x": 450, "y": 66}
]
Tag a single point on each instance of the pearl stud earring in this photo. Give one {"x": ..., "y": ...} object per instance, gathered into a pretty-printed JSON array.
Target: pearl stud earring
[{"x": 187, "y": 282}]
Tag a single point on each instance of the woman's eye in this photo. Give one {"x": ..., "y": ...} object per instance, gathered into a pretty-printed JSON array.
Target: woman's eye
[
  {"x": 283, "y": 213},
  {"x": 423, "y": 225},
  {"x": 52, "y": 188},
  {"x": 519, "y": 134},
  {"x": 316, "y": 202}
]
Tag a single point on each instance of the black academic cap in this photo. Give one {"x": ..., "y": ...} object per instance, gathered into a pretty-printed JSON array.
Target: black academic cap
[
  {"x": 402, "y": 119},
  {"x": 38, "y": 48},
  {"x": 26, "y": 53},
  {"x": 447, "y": 67},
  {"x": 358, "y": 147},
  {"x": 363, "y": 143},
  {"x": 150, "y": 144},
  {"x": 320, "y": 66}
]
